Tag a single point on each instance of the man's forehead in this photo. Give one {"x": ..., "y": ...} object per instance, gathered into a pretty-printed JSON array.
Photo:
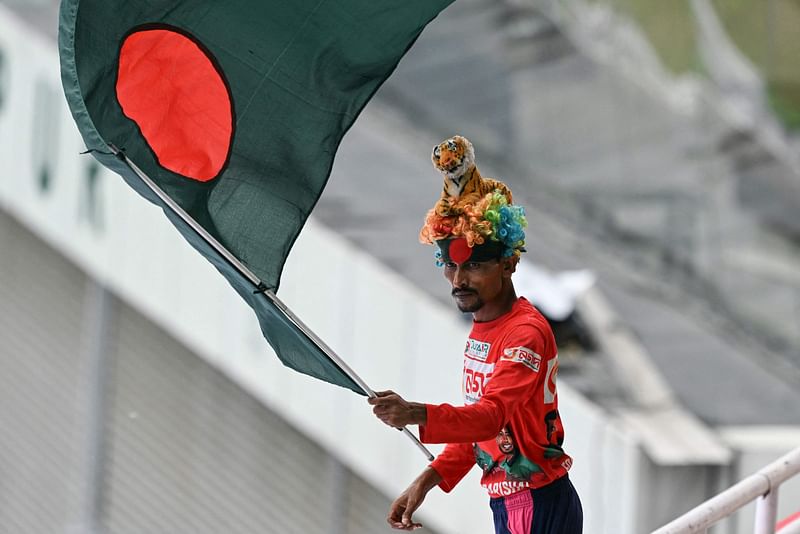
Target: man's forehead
[{"x": 457, "y": 250}]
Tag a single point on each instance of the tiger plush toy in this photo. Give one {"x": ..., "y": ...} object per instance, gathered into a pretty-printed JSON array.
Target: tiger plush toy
[
  {"x": 463, "y": 183},
  {"x": 471, "y": 206}
]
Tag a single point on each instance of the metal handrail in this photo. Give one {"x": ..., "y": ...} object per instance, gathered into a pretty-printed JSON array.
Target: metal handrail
[{"x": 761, "y": 486}]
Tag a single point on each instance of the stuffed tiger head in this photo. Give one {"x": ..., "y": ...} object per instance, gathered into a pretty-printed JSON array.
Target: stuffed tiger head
[{"x": 453, "y": 157}]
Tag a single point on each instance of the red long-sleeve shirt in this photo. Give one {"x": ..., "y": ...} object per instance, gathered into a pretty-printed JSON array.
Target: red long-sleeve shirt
[{"x": 509, "y": 424}]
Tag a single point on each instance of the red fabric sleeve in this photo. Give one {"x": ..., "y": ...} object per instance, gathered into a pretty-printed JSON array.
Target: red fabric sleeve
[
  {"x": 512, "y": 383},
  {"x": 453, "y": 464}
]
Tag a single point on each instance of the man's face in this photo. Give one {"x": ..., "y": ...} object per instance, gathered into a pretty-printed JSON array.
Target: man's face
[
  {"x": 505, "y": 442},
  {"x": 474, "y": 283}
]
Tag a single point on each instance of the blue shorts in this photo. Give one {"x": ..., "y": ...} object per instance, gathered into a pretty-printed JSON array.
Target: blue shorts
[{"x": 552, "y": 509}]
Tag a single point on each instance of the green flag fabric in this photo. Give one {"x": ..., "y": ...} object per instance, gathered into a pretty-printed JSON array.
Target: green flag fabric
[{"x": 235, "y": 111}]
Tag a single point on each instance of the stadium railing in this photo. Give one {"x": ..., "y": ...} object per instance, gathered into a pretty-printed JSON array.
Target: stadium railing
[{"x": 761, "y": 486}]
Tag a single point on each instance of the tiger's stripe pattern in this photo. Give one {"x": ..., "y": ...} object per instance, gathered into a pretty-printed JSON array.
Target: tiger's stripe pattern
[{"x": 463, "y": 183}]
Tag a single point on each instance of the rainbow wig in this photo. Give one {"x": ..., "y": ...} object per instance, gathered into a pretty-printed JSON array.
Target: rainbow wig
[{"x": 491, "y": 217}]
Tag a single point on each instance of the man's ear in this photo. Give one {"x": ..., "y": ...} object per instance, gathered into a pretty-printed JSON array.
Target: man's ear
[{"x": 509, "y": 265}]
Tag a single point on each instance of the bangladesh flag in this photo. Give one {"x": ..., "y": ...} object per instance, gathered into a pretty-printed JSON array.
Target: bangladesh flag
[{"x": 228, "y": 114}]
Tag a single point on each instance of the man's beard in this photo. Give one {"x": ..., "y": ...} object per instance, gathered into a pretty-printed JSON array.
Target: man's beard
[{"x": 471, "y": 307}]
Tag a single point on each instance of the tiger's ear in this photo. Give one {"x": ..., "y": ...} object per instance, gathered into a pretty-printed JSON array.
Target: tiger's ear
[{"x": 469, "y": 150}]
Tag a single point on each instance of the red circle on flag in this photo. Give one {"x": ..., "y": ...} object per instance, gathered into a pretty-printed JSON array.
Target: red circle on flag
[
  {"x": 459, "y": 250},
  {"x": 171, "y": 88}
]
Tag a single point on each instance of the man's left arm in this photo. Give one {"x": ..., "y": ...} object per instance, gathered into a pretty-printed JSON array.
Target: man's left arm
[
  {"x": 395, "y": 411},
  {"x": 514, "y": 380},
  {"x": 511, "y": 384}
]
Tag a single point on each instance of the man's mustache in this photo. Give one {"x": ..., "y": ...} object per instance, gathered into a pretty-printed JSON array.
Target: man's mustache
[{"x": 462, "y": 291}]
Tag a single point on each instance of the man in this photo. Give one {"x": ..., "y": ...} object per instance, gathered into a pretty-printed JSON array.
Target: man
[{"x": 510, "y": 421}]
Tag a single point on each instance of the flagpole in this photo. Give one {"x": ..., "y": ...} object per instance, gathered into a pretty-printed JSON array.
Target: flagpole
[
  {"x": 342, "y": 365},
  {"x": 253, "y": 279}
]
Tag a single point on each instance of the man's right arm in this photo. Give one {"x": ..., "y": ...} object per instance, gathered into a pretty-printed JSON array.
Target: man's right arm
[
  {"x": 445, "y": 471},
  {"x": 400, "y": 514}
]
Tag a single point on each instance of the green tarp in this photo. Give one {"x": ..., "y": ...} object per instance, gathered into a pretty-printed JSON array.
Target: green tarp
[{"x": 235, "y": 109}]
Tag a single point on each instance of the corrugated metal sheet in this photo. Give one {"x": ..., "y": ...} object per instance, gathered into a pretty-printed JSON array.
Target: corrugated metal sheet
[
  {"x": 191, "y": 452},
  {"x": 185, "y": 449},
  {"x": 41, "y": 384}
]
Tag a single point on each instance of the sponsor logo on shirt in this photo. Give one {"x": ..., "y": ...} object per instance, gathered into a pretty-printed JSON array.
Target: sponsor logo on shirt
[
  {"x": 478, "y": 350},
  {"x": 476, "y": 377},
  {"x": 566, "y": 464},
  {"x": 523, "y": 355}
]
